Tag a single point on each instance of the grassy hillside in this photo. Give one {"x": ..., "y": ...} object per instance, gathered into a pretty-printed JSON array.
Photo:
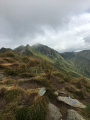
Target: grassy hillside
[
  {"x": 50, "y": 55},
  {"x": 81, "y": 60},
  {"x": 25, "y": 75},
  {"x": 23, "y": 78}
]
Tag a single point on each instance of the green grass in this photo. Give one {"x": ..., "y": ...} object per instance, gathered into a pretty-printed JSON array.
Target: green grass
[
  {"x": 13, "y": 94},
  {"x": 7, "y": 116},
  {"x": 37, "y": 111},
  {"x": 86, "y": 111},
  {"x": 12, "y": 72},
  {"x": 50, "y": 93}
]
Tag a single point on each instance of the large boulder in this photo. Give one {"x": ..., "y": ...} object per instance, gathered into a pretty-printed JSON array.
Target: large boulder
[
  {"x": 71, "y": 102},
  {"x": 73, "y": 115},
  {"x": 1, "y": 76},
  {"x": 54, "y": 112}
]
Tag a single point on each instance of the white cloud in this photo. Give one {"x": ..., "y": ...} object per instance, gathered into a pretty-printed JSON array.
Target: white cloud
[
  {"x": 60, "y": 24},
  {"x": 69, "y": 39}
]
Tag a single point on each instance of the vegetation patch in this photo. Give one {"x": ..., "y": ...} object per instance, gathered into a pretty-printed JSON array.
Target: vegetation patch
[
  {"x": 12, "y": 72},
  {"x": 37, "y": 111},
  {"x": 13, "y": 94},
  {"x": 87, "y": 111}
]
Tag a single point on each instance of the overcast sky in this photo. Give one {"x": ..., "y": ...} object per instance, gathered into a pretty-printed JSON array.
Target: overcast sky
[{"x": 61, "y": 24}]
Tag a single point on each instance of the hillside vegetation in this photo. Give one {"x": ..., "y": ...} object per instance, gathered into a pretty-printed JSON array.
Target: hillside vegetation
[
  {"x": 25, "y": 70},
  {"x": 81, "y": 61}
]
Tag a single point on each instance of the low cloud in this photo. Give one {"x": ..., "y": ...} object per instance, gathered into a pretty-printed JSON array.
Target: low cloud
[{"x": 59, "y": 24}]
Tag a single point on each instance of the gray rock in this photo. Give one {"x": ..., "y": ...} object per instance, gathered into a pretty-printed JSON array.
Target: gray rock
[
  {"x": 54, "y": 112},
  {"x": 63, "y": 93},
  {"x": 56, "y": 93},
  {"x": 73, "y": 115},
  {"x": 71, "y": 102},
  {"x": 1, "y": 76}
]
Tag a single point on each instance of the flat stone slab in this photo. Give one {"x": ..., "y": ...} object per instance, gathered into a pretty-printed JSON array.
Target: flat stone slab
[
  {"x": 54, "y": 112},
  {"x": 1, "y": 76},
  {"x": 71, "y": 102},
  {"x": 73, "y": 115}
]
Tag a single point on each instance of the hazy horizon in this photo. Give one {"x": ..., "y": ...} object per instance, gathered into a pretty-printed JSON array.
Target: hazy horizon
[{"x": 47, "y": 46}]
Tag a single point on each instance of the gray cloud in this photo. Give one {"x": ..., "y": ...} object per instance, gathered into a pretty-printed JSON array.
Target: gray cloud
[
  {"x": 87, "y": 40},
  {"x": 26, "y": 21}
]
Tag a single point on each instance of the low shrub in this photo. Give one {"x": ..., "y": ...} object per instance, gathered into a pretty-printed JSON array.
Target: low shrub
[
  {"x": 45, "y": 83},
  {"x": 12, "y": 94},
  {"x": 9, "y": 54},
  {"x": 9, "y": 116},
  {"x": 10, "y": 60},
  {"x": 37, "y": 111},
  {"x": 48, "y": 73},
  {"x": 78, "y": 85},
  {"x": 88, "y": 110},
  {"x": 2, "y": 92},
  {"x": 13, "y": 72},
  {"x": 24, "y": 75},
  {"x": 79, "y": 94},
  {"x": 50, "y": 93}
]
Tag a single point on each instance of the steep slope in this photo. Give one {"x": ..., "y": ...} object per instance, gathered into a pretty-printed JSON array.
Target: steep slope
[
  {"x": 50, "y": 55},
  {"x": 81, "y": 60},
  {"x": 25, "y": 50},
  {"x": 21, "y": 81},
  {"x": 45, "y": 50}
]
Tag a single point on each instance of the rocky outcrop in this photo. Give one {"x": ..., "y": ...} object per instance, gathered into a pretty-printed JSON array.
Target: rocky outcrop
[
  {"x": 73, "y": 115},
  {"x": 54, "y": 112},
  {"x": 71, "y": 102}
]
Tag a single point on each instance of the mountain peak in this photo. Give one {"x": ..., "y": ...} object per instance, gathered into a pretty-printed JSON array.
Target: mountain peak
[
  {"x": 38, "y": 44},
  {"x": 2, "y": 50},
  {"x": 27, "y": 45}
]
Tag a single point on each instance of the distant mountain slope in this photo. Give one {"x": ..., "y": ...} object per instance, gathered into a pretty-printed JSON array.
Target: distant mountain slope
[
  {"x": 81, "y": 60},
  {"x": 39, "y": 50},
  {"x": 26, "y": 50},
  {"x": 50, "y": 55},
  {"x": 2, "y": 50},
  {"x": 45, "y": 50}
]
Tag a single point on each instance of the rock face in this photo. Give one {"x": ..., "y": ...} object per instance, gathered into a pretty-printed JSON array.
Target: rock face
[
  {"x": 73, "y": 115},
  {"x": 71, "y": 102},
  {"x": 1, "y": 76},
  {"x": 54, "y": 113}
]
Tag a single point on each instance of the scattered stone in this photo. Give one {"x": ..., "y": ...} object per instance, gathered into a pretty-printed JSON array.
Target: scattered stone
[
  {"x": 54, "y": 112},
  {"x": 73, "y": 115},
  {"x": 56, "y": 93},
  {"x": 42, "y": 91},
  {"x": 71, "y": 102},
  {"x": 61, "y": 92},
  {"x": 1, "y": 76}
]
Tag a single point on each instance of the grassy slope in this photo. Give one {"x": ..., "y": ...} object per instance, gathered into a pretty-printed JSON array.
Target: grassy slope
[
  {"x": 50, "y": 56},
  {"x": 19, "y": 89},
  {"x": 81, "y": 60}
]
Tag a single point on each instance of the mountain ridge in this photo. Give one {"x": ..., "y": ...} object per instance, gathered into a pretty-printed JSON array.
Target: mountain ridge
[{"x": 71, "y": 62}]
